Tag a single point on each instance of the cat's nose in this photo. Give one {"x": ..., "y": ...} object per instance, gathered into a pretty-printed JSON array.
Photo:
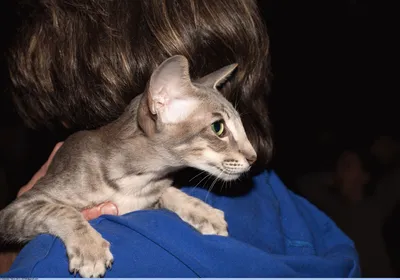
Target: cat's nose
[
  {"x": 248, "y": 152},
  {"x": 251, "y": 158}
]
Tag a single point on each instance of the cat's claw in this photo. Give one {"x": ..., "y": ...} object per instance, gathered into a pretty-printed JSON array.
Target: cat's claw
[
  {"x": 109, "y": 264},
  {"x": 207, "y": 220},
  {"x": 214, "y": 223},
  {"x": 90, "y": 256},
  {"x": 73, "y": 271}
]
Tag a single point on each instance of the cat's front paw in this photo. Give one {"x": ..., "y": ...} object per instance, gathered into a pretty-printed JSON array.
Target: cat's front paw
[
  {"x": 208, "y": 220},
  {"x": 89, "y": 255}
]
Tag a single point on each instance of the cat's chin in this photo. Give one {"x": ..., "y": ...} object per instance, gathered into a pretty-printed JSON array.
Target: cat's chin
[
  {"x": 230, "y": 176},
  {"x": 227, "y": 176},
  {"x": 220, "y": 173}
]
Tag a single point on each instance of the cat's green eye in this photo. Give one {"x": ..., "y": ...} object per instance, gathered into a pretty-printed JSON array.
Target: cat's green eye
[{"x": 218, "y": 128}]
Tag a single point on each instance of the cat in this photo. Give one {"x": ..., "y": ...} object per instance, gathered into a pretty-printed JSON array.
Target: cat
[{"x": 175, "y": 123}]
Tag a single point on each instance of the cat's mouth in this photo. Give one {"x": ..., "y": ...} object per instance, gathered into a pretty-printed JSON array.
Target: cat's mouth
[
  {"x": 229, "y": 175},
  {"x": 225, "y": 174}
]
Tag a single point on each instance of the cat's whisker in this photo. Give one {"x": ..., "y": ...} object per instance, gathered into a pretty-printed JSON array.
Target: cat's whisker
[
  {"x": 243, "y": 114},
  {"x": 208, "y": 176},
  {"x": 205, "y": 183},
  {"x": 196, "y": 176},
  {"x": 222, "y": 186},
  {"x": 227, "y": 185},
  {"x": 212, "y": 185},
  {"x": 208, "y": 188},
  {"x": 236, "y": 104}
]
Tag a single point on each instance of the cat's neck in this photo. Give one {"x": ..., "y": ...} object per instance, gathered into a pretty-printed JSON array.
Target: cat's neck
[
  {"x": 126, "y": 126},
  {"x": 139, "y": 157}
]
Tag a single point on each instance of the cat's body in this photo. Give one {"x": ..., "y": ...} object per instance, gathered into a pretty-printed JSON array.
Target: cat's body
[
  {"x": 129, "y": 161},
  {"x": 137, "y": 172}
]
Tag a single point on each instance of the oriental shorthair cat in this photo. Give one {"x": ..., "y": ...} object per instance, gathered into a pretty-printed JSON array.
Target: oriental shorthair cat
[{"x": 175, "y": 123}]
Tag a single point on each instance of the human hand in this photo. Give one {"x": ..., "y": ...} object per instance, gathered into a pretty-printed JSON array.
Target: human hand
[{"x": 89, "y": 214}]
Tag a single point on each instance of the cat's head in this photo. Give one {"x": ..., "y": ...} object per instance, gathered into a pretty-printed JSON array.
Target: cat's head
[{"x": 194, "y": 122}]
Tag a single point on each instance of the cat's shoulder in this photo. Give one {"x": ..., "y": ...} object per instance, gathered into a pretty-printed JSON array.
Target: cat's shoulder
[
  {"x": 85, "y": 141},
  {"x": 83, "y": 137}
]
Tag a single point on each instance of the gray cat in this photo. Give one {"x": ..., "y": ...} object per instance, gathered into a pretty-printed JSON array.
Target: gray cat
[{"x": 175, "y": 123}]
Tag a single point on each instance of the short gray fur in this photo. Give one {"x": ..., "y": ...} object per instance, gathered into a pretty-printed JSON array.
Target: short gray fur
[{"x": 128, "y": 162}]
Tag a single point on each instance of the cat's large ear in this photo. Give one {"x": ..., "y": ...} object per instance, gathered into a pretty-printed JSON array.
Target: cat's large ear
[
  {"x": 169, "y": 91},
  {"x": 217, "y": 78}
]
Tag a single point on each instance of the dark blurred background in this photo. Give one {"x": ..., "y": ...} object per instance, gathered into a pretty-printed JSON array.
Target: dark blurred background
[{"x": 334, "y": 91}]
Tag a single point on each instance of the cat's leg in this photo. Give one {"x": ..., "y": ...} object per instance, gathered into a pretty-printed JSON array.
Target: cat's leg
[
  {"x": 33, "y": 214},
  {"x": 201, "y": 216}
]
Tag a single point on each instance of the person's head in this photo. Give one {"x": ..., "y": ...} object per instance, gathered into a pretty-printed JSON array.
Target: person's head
[
  {"x": 81, "y": 62},
  {"x": 351, "y": 176}
]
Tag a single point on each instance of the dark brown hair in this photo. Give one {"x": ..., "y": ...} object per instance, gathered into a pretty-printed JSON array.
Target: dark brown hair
[{"x": 81, "y": 62}]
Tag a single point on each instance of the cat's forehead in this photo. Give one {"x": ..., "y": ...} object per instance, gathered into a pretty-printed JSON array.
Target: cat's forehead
[{"x": 217, "y": 103}]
